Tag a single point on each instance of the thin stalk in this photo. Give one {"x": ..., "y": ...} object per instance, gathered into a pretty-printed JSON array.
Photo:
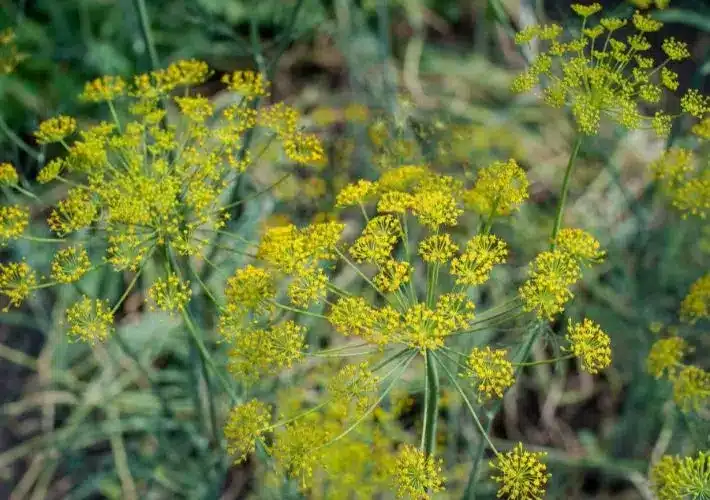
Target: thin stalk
[
  {"x": 147, "y": 35},
  {"x": 431, "y": 404},
  {"x": 565, "y": 188},
  {"x": 17, "y": 140},
  {"x": 207, "y": 358},
  {"x": 469, "y": 493},
  {"x": 477, "y": 420}
]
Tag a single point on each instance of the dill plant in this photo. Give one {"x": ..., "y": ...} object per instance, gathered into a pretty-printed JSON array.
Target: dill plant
[
  {"x": 145, "y": 189},
  {"x": 415, "y": 274}
]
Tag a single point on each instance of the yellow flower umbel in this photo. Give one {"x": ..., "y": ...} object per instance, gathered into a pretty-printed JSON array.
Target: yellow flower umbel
[
  {"x": 55, "y": 129},
  {"x": 353, "y": 384},
  {"x": 169, "y": 294},
  {"x": 90, "y": 320},
  {"x": 691, "y": 388},
  {"x": 553, "y": 272},
  {"x": 8, "y": 174},
  {"x": 675, "y": 477},
  {"x": 521, "y": 475},
  {"x": 601, "y": 73},
  {"x": 685, "y": 182},
  {"x": 17, "y": 280},
  {"x": 474, "y": 265},
  {"x": 490, "y": 371},
  {"x": 246, "y": 423},
  {"x": 499, "y": 190},
  {"x": 297, "y": 448},
  {"x": 416, "y": 474},
  {"x": 590, "y": 344},
  {"x": 70, "y": 264},
  {"x": 580, "y": 245},
  {"x": 412, "y": 296},
  {"x": 550, "y": 276},
  {"x": 13, "y": 221},
  {"x": 696, "y": 305},
  {"x": 665, "y": 356}
]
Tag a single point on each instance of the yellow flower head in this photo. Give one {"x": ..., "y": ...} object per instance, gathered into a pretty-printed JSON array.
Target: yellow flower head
[
  {"x": 580, "y": 245},
  {"x": 297, "y": 449},
  {"x": 417, "y": 474},
  {"x": 590, "y": 344},
  {"x": 251, "y": 288},
  {"x": 665, "y": 356},
  {"x": 403, "y": 178},
  {"x": 499, "y": 189},
  {"x": 377, "y": 240},
  {"x": 75, "y": 212},
  {"x": 392, "y": 275},
  {"x": 694, "y": 103},
  {"x": 586, "y": 10},
  {"x": 438, "y": 248},
  {"x": 106, "y": 88},
  {"x": 675, "y": 477},
  {"x": 246, "y": 423},
  {"x": 521, "y": 475},
  {"x": 257, "y": 353},
  {"x": 358, "y": 193},
  {"x": 353, "y": 384},
  {"x": 691, "y": 388},
  {"x": 546, "y": 290},
  {"x": 17, "y": 280},
  {"x": 395, "y": 202},
  {"x": 352, "y": 316},
  {"x": 169, "y": 294},
  {"x": 55, "y": 129},
  {"x": 90, "y": 320},
  {"x": 247, "y": 83},
  {"x": 70, "y": 264},
  {"x": 490, "y": 372},
  {"x": 8, "y": 174},
  {"x": 197, "y": 109},
  {"x": 435, "y": 202},
  {"x": 696, "y": 305},
  {"x": 51, "y": 170},
  {"x": 308, "y": 286},
  {"x": 473, "y": 267},
  {"x": 303, "y": 148},
  {"x": 13, "y": 221}
]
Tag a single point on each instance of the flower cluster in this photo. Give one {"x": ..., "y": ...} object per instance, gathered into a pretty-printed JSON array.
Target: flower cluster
[
  {"x": 602, "y": 73},
  {"x": 553, "y": 272},
  {"x": 690, "y": 383},
  {"x": 684, "y": 180},
  {"x": 417, "y": 474},
  {"x": 152, "y": 184},
  {"x": 521, "y": 474},
  {"x": 590, "y": 344},
  {"x": 675, "y": 477}
]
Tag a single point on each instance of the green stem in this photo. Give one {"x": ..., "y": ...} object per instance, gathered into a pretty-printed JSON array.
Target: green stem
[
  {"x": 545, "y": 361},
  {"x": 206, "y": 358},
  {"x": 470, "y": 493},
  {"x": 17, "y": 140},
  {"x": 431, "y": 405},
  {"x": 565, "y": 189},
  {"x": 147, "y": 35}
]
